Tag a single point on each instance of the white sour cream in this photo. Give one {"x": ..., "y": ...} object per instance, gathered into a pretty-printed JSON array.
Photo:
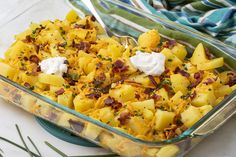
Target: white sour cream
[
  {"x": 149, "y": 63},
  {"x": 55, "y": 65}
]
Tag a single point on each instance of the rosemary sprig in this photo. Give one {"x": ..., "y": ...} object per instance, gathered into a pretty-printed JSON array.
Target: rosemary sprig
[
  {"x": 55, "y": 149},
  {"x": 23, "y": 141},
  {"x": 31, "y": 141}
]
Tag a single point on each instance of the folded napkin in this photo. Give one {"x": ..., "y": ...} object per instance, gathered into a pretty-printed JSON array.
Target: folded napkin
[{"x": 214, "y": 17}]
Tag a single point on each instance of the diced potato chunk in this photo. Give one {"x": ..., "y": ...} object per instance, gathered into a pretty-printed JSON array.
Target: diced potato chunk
[
  {"x": 199, "y": 55},
  {"x": 163, "y": 93},
  {"x": 6, "y": 70},
  {"x": 223, "y": 91},
  {"x": 149, "y": 39},
  {"x": 141, "y": 105},
  {"x": 179, "y": 83},
  {"x": 148, "y": 114},
  {"x": 106, "y": 115},
  {"x": 72, "y": 16},
  {"x": 168, "y": 151},
  {"x": 204, "y": 97},
  {"x": 123, "y": 94},
  {"x": 66, "y": 99},
  {"x": 163, "y": 119},
  {"x": 91, "y": 131},
  {"x": 191, "y": 116},
  {"x": 138, "y": 125},
  {"x": 54, "y": 80},
  {"x": 205, "y": 109},
  {"x": 180, "y": 51},
  {"x": 82, "y": 104},
  {"x": 143, "y": 79},
  {"x": 29, "y": 79},
  {"x": 212, "y": 64},
  {"x": 171, "y": 61}
]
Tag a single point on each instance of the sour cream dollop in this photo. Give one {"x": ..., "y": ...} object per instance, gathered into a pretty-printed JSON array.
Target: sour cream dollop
[
  {"x": 149, "y": 63},
  {"x": 54, "y": 65}
]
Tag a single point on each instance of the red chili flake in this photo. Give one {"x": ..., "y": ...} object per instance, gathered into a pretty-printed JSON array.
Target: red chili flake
[
  {"x": 155, "y": 97},
  {"x": 182, "y": 72},
  {"x": 208, "y": 81},
  {"x": 60, "y": 91},
  {"x": 79, "y": 26},
  {"x": 34, "y": 59},
  {"x": 28, "y": 39},
  {"x": 124, "y": 116},
  {"x": 152, "y": 79},
  {"x": 93, "y": 95},
  {"x": 26, "y": 84},
  {"x": 109, "y": 101},
  {"x": 148, "y": 90}
]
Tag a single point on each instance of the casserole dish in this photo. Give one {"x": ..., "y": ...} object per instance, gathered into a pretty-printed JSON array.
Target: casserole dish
[{"x": 102, "y": 134}]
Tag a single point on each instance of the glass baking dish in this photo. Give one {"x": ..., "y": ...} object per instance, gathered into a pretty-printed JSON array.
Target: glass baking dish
[{"x": 124, "y": 20}]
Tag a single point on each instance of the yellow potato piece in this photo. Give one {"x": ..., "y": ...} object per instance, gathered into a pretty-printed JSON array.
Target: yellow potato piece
[{"x": 149, "y": 39}]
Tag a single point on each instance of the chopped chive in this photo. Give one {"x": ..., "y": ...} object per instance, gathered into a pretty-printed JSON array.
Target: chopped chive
[
  {"x": 32, "y": 142},
  {"x": 55, "y": 149}
]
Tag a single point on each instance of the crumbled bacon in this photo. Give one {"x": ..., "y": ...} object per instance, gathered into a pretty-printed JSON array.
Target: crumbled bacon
[
  {"x": 232, "y": 80},
  {"x": 112, "y": 103},
  {"x": 124, "y": 116},
  {"x": 119, "y": 66},
  {"x": 94, "y": 95},
  {"x": 152, "y": 79},
  {"x": 208, "y": 54},
  {"x": 28, "y": 39},
  {"x": 182, "y": 72},
  {"x": 25, "y": 59},
  {"x": 155, "y": 97},
  {"x": 99, "y": 79},
  {"x": 172, "y": 43},
  {"x": 92, "y": 42},
  {"x": 99, "y": 65},
  {"x": 193, "y": 95},
  {"x": 60, "y": 91},
  {"x": 80, "y": 26},
  {"x": 199, "y": 75},
  {"x": 34, "y": 59},
  {"x": 148, "y": 90},
  {"x": 93, "y": 18},
  {"x": 81, "y": 46},
  {"x": 137, "y": 96},
  {"x": 208, "y": 81},
  {"x": 26, "y": 84}
]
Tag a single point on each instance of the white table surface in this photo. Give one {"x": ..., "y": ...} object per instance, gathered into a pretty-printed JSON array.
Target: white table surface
[{"x": 221, "y": 144}]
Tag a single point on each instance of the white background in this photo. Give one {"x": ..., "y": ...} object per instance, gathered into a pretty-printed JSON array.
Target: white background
[{"x": 221, "y": 144}]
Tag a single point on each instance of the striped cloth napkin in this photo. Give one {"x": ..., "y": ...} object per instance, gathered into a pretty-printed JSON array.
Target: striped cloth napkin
[{"x": 214, "y": 17}]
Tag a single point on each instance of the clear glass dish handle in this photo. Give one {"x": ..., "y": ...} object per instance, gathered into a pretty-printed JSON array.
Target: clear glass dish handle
[{"x": 219, "y": 118}]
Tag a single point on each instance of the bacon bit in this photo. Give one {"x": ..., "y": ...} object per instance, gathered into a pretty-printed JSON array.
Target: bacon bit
[
  {"x": 106, "y": 89},
  {"x": 93, "y": 18},
  {"x": 118, "y": 66},
  {"x": 36, "y": 47},
  {"x": 28, "y": 39},
  {"x": 198, "y": 75},
  {"x": 38, "y": 69},
  {"x": 232, "y": 80},
  {"x": 80, "y": 26},
  {"x": 76, "y": 125},
  {"x": 148, "y": 90},
  {"x": 182, "y": 72},
  {"x": 99, "y": 65},
  {"x": 23, "y": 68},
  {"x": 124, "y": 116},
  {"x": 81, "y": 46},
  {"x": 93, "y": 95},
  {"x": 208, "y": 81},
  {"x": 193, "y": 95},
  {"x": 34, "y": 59},
  {"x": 66, "y": 62},
  {"x": 112, "y": 103},
  {"x": 71, "y": 82},
  {"x": 25, "y": 59},
  {"x": 152, "y": 79},
  {"x": 166, "y": 71},
  {"x": 208, "y": 54},
  {"x": 92, "y": 42},
  {"x": 99, "y": 79},
  {"x": 155, "y": 97},
  {"x": 109, "y": 101},
  {"x": 60, "y": 91},
  {"x": 26, "y": 84},
  {"x": 172, "y": 43},
  {"x": 137, "y": 96}
]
